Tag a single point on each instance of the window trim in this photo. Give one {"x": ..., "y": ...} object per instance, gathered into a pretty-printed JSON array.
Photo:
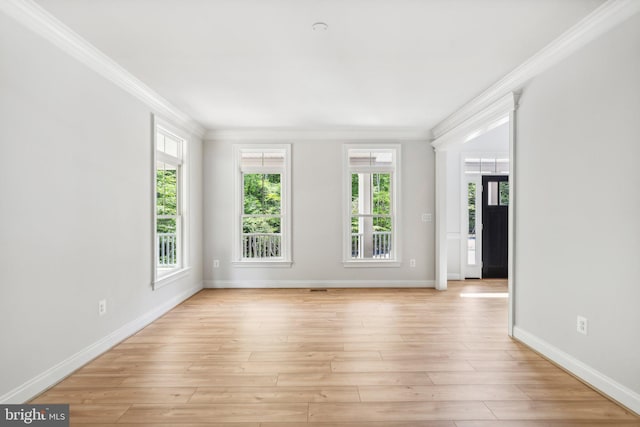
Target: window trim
[
  {"x": 184, "y": 269},
  {"x": 347, "y": 170},
  {"x": 285, "y": 194}
]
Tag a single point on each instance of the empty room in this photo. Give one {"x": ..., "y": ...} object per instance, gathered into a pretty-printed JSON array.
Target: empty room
[{"x": 320, "y": 213}]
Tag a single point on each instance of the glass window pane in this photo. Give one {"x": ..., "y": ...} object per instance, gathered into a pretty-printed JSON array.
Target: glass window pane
[
  {"x": 359, "y": 158},
  {"x": 382, "y": 224},
  {"x": 382, "y": 158},
  {"x": 492, "y": 195},
  {"x": 356, "y": 224},
  {"x": 272, "y": 159},
  {"x": 472, "y": 165},
  {"x": 355, "y": 192},
  {"x": 261, "y": 238},
  {"x": 488, "y": 166},
  {"x": 167, "y": 236},
  {"x": 371, "y": 222},
  {"x": 251, "y": 159},
  {"x": 381, "y": 191},
  {"x": 159, "y": 141},
  {"x": 366, "y": 158},
  {"x": 171, "y": 146},
  {"x": 166, "y": 225},
  {"x": 471, "y": 250},
  {"x": 382, "y": 238},
  {"x": 261, "y": 225},
  {"x": 262, "y": 194},
  {"x": 471, "y": 203},
  {"x": 504, "y": 193},
  {"x": 166, "y": 189},
  {"x": 502, "y": 166}
]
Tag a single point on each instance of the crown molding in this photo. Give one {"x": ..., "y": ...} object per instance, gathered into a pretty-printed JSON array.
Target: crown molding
[
  {"x": 479, "y": 123},
  {"x": 382, "y": 134},
  {"x": 601, "y": 20},
  {"x": 34, "y": 17}
]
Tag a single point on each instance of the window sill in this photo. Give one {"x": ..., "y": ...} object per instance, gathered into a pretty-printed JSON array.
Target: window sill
[
  {"x": 169, "y": 278},
  {"x": 365, "y": 263},
  {"x": 261, "y": 264}
]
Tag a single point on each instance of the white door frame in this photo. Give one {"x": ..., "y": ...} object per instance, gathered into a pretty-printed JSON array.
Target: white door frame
[{"x": 466, "y": 131}]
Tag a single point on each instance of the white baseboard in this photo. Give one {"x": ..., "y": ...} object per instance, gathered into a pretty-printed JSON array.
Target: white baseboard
[
  {"x": 454, "y": 276},
  {"x": 598, "y": 380},
  {"x": 55, "y": 374},
  {"x": 303, "y": 284}
]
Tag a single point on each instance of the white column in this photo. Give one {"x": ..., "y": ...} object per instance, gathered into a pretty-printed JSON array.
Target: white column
[
  {"x": 441, "y": 220},
  {"x": 512, "y": 219}
]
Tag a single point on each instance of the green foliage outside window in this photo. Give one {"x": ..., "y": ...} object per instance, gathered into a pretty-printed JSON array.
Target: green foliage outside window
[
  {"x": 471, "y": 194},
  {"x": 166, "y": 199},
  {"x": 380, "y": 200},
  {"x": 262, "y": 196},
  {"x": 381, "y": 188},
  {"x": 504, "y": 193}
]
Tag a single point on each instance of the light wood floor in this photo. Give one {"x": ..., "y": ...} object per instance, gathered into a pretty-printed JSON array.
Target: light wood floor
[{"x": 367, "y": 357}]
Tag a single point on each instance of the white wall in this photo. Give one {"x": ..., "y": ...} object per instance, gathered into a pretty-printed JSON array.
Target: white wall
[
  {"x": 317, "y": 220},
  {"x": 494, "y": 142},
  {"x": 577, "y": 204},
  {"x": 75, "y": 213}
]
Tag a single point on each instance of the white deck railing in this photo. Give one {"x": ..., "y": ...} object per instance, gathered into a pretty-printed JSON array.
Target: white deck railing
[
  {"x": 381, "y": 245},
  {"x": 167, "y": 253},
  {"x": 261, "y": 245}
]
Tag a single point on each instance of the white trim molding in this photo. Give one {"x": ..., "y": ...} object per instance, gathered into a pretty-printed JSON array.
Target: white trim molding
[
  {"x": 37, "y": 19},
  {"x": 310, "y": 284},
  {"x": 55, "y": 374},
  {"x": 163, "y": 281},
  {"x": 490, "y": 116},
  {"x": 275, "y": 134},
  {"x": 586, "y": 373},
  {"x": 598, "y": 22}
]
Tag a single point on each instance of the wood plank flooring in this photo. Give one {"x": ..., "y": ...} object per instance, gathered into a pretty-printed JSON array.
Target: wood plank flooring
[{"x": 344, "y": 357}]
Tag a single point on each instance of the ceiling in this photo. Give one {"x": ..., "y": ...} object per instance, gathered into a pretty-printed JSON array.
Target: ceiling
[{"x": 233, "y": 64}]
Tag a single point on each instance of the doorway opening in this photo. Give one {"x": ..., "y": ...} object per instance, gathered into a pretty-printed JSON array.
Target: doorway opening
[
  {"x": 485, "y": 215},
  {"x": 488, "y": 137}
]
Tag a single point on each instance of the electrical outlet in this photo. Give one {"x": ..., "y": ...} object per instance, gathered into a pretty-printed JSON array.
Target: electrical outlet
[
  {"x": 102, "y": 307},
  {"x": 216, "y": 263},
  {"x": 582, "y": 325},
  {"x": 412, "y": 262},
  {"x": 427, "y": 217}
]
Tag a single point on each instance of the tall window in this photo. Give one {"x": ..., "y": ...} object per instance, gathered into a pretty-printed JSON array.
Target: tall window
[
  {"x": 263, "y": 214},
  {"x": 372, "y": 204},
  {"x": 169, "y": 239}
]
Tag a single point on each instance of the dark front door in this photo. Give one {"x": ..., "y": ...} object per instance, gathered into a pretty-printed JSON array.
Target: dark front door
[{"x": 495, "y": 226}]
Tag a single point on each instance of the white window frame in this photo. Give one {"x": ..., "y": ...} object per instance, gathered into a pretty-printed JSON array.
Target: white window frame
[
  {"x": 285, "y": 208},
  {"x": 161, "y": 279},
  {"x": 395, "y": 170}
]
